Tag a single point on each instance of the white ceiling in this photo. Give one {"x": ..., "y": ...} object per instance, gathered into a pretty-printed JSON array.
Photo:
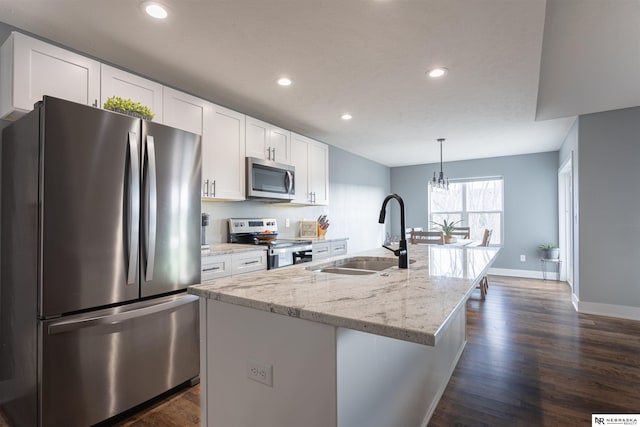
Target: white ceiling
[{"x": 366, "y": 57}]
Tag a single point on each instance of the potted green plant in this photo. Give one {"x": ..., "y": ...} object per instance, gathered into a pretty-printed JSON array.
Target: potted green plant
[
  {"x": 447, "y": 227},
  {"x": 128, "y": 107},
  {"x": 550, "y": 251}
]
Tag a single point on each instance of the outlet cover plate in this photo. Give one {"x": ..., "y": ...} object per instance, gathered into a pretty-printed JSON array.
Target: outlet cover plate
[{"x": 260, "y": 372}]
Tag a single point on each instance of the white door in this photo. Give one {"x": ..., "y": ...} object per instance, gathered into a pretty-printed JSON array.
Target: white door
[
  {"x": 257, "y": 138},
  {"x": 33, "y": 68},
  {"x": 184, "y": 111},
  {"x": 319, "y": 172},
  {"x": 565, "y": 221},
  {"x": 280, "y": 145},
  {"x": 299, "y": 159},
  {"x": 115, "y": 82},
  {"x": 224, "y": 154}
]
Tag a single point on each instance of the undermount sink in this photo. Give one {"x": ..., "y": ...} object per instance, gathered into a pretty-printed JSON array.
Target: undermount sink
[{"x": 360, "y": 265}]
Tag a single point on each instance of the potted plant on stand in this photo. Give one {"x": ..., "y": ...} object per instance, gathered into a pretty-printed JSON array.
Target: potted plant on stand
[
  {"x": 550, "y": 251},
  {"x": 447, "y": 227}
]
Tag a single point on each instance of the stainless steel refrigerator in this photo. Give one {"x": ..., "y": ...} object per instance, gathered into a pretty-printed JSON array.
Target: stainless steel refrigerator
[{"x": 100, "y": 238}]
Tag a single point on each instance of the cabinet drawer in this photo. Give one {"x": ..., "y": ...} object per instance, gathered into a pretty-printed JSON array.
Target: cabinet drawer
[
  {"x": 338, "y": 248},
  {"x": 321, "y": 251},
  {"x": 246, "y": 262},
  {"x": 214, "y": 267}
]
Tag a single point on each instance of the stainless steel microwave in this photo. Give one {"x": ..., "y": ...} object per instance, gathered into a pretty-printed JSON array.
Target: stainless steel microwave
[{"x": 267, "y": 180}]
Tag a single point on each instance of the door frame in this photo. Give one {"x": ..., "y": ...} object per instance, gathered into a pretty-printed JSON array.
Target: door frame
[{"x": 565, "y": 220}]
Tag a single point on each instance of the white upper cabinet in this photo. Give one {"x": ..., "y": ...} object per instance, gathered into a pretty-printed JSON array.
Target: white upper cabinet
[
  {"x": 300, "y": 159},
  {"x": 30, "y": 69},
  {"x": 268, "y": 142},
  {"x": 115, "y": 82},
  {"x": 319, "y": 172},
  {"x": 184, "y": 111},
  {"x": 223, "y": 155},
  {"x": 311, "y": 160}
]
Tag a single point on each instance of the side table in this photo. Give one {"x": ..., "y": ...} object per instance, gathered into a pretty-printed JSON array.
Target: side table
[{"x": 545, "y": 261}]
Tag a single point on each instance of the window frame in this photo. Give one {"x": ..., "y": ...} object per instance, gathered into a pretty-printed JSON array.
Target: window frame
[{"x": 464, "y": 213}]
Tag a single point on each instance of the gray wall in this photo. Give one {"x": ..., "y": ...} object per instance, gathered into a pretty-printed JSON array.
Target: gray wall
[
  {"x": 357, "y": 187},
  {"x": 609, "y": 201},
  {"x": 530, "y": 200}
]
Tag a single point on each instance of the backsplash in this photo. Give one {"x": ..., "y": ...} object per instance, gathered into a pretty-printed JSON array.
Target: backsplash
[{"x": 217, "y": 231}]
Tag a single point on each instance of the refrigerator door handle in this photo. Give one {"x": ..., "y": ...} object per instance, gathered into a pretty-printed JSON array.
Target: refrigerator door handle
[
  {"x": 134, "y": 206},
  {"x": 113, "y": 319},
  {"x": 152, "y": 204}
]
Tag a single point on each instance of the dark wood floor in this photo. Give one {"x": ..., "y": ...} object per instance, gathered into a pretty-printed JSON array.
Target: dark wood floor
[{"x": 530, "y": 360}]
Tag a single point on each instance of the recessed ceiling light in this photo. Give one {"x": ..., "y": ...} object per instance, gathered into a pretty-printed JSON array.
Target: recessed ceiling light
[
  {"x": 283, "y": 81},
  {"x": 155, "y": 10},
  {"x": 346, "y": 116},
  {"x": 437, "y": 72}
]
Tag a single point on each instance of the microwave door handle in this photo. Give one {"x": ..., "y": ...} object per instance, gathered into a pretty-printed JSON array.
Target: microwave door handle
[
  {"x": 152, "y": 204},
  {"x": 288, "y": 181},
  {"x": 134, "y": 207}
]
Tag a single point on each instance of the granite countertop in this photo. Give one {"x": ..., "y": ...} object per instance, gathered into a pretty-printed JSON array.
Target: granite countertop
[
  {"x": 412, "y": 305},
  {"x": 231, "y": 248}
]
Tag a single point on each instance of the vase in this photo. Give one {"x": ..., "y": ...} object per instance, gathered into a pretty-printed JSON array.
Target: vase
[{"x": 450, "y": 239}]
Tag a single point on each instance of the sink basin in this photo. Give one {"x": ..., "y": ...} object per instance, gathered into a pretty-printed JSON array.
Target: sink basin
[
  {"x": 356, "y": 266},
  {"x": 368, "y": 264}
]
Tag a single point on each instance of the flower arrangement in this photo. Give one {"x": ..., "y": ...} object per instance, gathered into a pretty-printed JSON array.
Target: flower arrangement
[{"x": 127, "y": 106}]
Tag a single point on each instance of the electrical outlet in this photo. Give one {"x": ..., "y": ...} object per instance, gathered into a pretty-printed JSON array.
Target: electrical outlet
[
  {"x": 523, "y": 258},
  {"x": 260, "y": 372},
  {"x": 287, "y": 223}
]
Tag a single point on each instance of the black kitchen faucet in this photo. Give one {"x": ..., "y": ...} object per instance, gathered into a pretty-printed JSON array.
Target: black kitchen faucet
[{"x": 402, "y": 252}]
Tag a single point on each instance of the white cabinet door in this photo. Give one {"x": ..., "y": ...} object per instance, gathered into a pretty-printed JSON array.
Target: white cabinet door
[
  {"x": 215, "y": 267},
  {"x": 223, "y": 155},
  {"x": 246, "y": 262},
  {"x": 115, "y": 82},
  {"x": 184, "y": 111},
  {"x": 268, "y": 142},
  {"x": 30, "y": 69},
  {"x": 338, "y": 247},
  {"x": 300, "y": 159},
  {"x": 320, "y": 250},
  {"x": 311, "y": 159},
  {"x": 319, "y": 172}
]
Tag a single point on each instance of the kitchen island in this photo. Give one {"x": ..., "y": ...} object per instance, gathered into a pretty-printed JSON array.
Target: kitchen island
[{"x": 294, "y": 346}]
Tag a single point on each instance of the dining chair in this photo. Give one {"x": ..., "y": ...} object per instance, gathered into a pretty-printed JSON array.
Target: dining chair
[
  {"x": 462, "y": 232},
  {"x": 427, "y": 237},
  {"x": 484, "y": 282}
]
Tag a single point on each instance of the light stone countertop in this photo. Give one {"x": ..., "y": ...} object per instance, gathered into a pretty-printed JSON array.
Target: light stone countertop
[{"x": 412, "y": 305}]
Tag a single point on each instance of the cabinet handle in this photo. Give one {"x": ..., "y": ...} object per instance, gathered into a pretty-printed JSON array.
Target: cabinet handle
[
  {"x": 214, "y": 188},
  {"x": 95, "y": 103},
  {"x": 205, "y": 188},
  {"x": 321, "y": 251},
  {"x": 268, "y": 153},
  {"x": 274, "y": 154},
  {"x": 255, "y": 261},
  {"x": 211, "y": 269}
]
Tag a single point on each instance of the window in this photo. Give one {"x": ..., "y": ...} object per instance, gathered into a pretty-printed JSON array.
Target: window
[{"x": 478, "y": 203}]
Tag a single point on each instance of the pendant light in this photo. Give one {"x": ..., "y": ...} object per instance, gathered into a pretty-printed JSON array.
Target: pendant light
[{"x": 440, "y": 183}]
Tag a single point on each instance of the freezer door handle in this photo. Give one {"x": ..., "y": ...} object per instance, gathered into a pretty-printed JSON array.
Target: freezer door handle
[
  {"x": 152, "y": 206},
  {"x": 134, "y": 207},
  {"x": 113, "y": 319}
]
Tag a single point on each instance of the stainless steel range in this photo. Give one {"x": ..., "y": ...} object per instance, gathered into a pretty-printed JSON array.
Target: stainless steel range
[{"x": 264, "y": 231}]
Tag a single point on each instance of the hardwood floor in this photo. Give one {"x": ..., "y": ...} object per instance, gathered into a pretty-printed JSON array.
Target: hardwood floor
[{"x": 530, "y": 360}]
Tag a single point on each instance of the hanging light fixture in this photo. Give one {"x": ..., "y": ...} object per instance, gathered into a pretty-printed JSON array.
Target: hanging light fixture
[{"x": 440, "y": 182}]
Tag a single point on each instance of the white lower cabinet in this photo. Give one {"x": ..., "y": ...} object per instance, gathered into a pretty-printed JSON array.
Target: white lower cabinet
[
  {"x": 218, "y": 266},
  {"x": 320, "y": 250},
  {"x": 246, "y": 262},
  {"x": 115, "y": 82},
  {"x": 215, "y": 267},
  {"x": 338, "y": 247},
  {"x": 30, "y": 69}
]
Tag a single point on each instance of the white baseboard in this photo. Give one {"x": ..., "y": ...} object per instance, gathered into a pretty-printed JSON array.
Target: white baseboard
[
  {"x": 575, "y": 301},
  {"x": 527, "y": 274},
  {"x": 609, "y": 310}
]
